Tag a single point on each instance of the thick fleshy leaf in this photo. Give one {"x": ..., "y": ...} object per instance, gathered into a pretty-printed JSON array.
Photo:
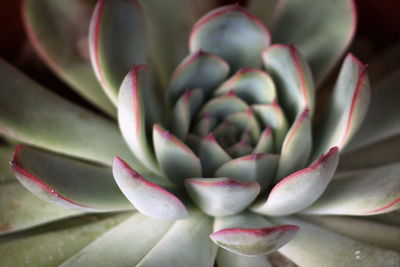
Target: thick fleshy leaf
[
  {"x": 132, "y": 116},
  {"x": 250, "y": 235},
  {"x": 187, "y": 235},
  {"x": 252, "y": 85},
  {"x": 211, "y": 154},
  {"x": 229, "y": 259},
  {"x": 321, "y": 41},
  {"x": 292, "y": 76},
  {"x": 6, "y": 154},
  {"x": 116, "y": 42},
  {"x": 245, "y": 121},
  {"x": 64, "y": 45},
  {"x": 198, "y": 70},
  {"x": 168, "y": 34},
  {"x": 221, "y": 196},
  {"x": 315, "y": 247},
  {"x": 203, "y": 127},
  {"x": 57, "y": 244},
  {"x": 346, "y": 109},
  {"x": 365, "y": 192},
  {"x": 115, "y": 248},
  {"x": 271, "y": 115},
  {"x": 176, "y": 160},
  {"x": 374, "y": 155},
  {"x": 20, "y": 209},
  {"x": 67, "y": 182},
  {"x": 382, "y": 120},
  {"x": 232, "y": 33},
  {"x": 240, "y": 149},
  {"x": 147, "y": 197},
  {"x": 224, "y": 105},
  {"x": 300, "y": 189},
  {"x": 378, "y": 234},
  {"x": 266, "y": 142},
  {"x": 40, "y": 118},
  {"x": 252, "y": 168},
  {"x": 296, "y": 148},
  {"x": 183, "y": 112}
]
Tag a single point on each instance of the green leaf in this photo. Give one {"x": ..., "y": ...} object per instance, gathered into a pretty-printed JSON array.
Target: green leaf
[
  {"x": 347, "y": 107},
  {"x": 132, "y": 116},
  {"x": 300, "y": 189},
  {"x": 67, "y": 182},
  {"x": 232, "y": 33},
  {"x": 116, "y": 42},
  {"x": 54, "y": 247},
  {"x": 6, "y": 154},
  {"x": 378, "y": 234},
  {"x": 259, "y": 168},
  {"x": 211, "y": 154},
  {"x": 229, "y": 259},
  {"x": 198, "y": 70},
  {"x": 251, "y": 235},
  {"x": 315, "y": 247},
  {"x": 183, "y": 112},
  {"x": 382, "y": 120},
  {"x": 296, "y": 148},
  {"x": 176, "y": 160},
  {"x": 168, "y": 34},
  {"x": 203, "y": 127},
  {"x": 264, "y": 10},
  {"x": 265, "y": 143},
  {"x": 364, "y": 192},
  {"x": 20, "y": 209},
  {"x": 186, "y": 235},
  {"x": 252, "y": 85},
  {"x": 271, "y": 115},
  {"x": 42, "y": 119},
  {"x": 321, "y": 30},
  {"x": 147, "y": 197},
  {"x": 63, "y": 45},
  {"x": 221, "y": 196},
  {"x": 117, "y": 245},
  {"x": 293, "y": 78}
]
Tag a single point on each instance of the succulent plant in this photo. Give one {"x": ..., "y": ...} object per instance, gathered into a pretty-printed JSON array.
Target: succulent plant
[{"x": 228, "y": 158}]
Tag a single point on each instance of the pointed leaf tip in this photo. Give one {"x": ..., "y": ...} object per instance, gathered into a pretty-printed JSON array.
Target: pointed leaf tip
[
  {"x": 148, "y": 198},
  {"x": 254, "y": 242}
]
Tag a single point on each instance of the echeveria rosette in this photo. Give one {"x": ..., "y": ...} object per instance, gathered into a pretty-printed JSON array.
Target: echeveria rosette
[{"x": 218, "y": 160}]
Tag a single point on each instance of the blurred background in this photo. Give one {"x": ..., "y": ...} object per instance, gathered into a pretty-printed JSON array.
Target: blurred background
[{"x": 378, "y": 29}]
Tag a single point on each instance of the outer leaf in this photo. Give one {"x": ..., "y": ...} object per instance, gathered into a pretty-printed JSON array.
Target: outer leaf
[
  {"x": 67, "y": 182},
  {"x": 250, "y": 235},
  {"x": 367, "y": 192},
  {"x": 378, "y": 234},
  {"x": 40, "y": 118},
  {"x": 55, "y": 246},
  {"x": 229, "y": 259},
  {"x": 321, "y": 41},
  {"x": 221, "y": 196},
  {"x": 315, "y": 247},
  {"x": 6, "y": 174},
  {"x": 148, "y": 198},
  {"x": 115, "y": 246},
  {"x": 232, "y": 33},
  {"x": 382, "y": 120},
  {"x": 132, "y": 116},
  {"x": 300, "y": 189},
  {"x": 176, "y": 160},
  {"x": 187, "y": 235},
  {"x": 347, "y": 107},
  {"x": 296, "y": 148},
  {"x": 20, "y": 209},
  {"x": 117, "y": 41},
  {"x": 168, "y": 34},
  {"x": 255, "y": 167},
  {"x": 63, "y": 45},
  {"x": 198, "y": 70},
  {"x": 252, "y": 85},
  {"x": 293, "y": 77},
  {"x": 264, "y": 10}
]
